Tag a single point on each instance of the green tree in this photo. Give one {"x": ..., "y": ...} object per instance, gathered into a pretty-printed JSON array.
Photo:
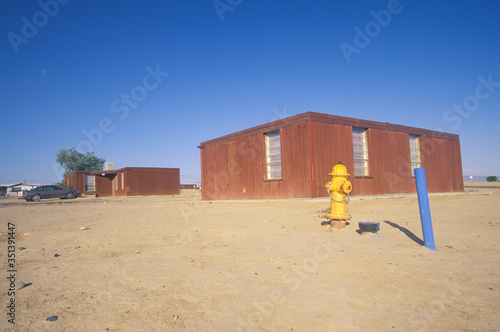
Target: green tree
[
  {"x": 73, "y": 161},
  {"x": 61, "y": 184},
  {"x": 492, "y": 178}
]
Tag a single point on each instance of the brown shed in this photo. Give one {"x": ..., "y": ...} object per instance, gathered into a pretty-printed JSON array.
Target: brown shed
[
  {"x": 293, "y": 156},
  {"x": 127, "y": 181}
]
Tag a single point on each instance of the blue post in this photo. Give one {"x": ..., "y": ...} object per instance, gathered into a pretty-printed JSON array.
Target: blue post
[{"x": 425, "y": 212}]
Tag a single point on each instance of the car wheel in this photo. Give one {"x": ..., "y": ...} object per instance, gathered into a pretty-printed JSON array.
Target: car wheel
[
  {"x": 70, "y": 195},
  {"x": 35, "y": 198}
]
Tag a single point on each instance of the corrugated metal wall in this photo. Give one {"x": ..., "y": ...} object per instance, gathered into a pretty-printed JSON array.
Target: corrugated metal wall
[
  {"x": 76, "y": 181},
  {"x": 130, "y": 181},
  {"x": 236, "y": 168},
  {"x": 119, "y": 184},
  {"x": 152, "y": 181},
  {"x": 103, "y": 185},
  {"x": 443, "y": 164},
  {"x": 331, "y": 143}
]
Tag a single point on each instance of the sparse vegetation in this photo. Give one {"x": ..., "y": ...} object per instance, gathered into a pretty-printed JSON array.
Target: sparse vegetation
[
  {"x": 62, "y": 185},
  {"x": 72, "y": 161},
  {"x": 492, "y": 178}
]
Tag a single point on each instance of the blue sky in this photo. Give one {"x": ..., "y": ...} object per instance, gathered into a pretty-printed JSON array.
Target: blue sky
[{"x": 143, "y": 83}]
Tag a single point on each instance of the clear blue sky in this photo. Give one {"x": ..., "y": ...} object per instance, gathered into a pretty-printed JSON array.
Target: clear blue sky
[{"x": 70, "y": 67}]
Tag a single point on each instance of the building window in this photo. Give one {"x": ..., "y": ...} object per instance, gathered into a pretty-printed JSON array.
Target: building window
[
  {"x": 89, "y": 182},
  {"x": 414, "y": 153},
  {"x": 360, "y": 152},
  {"x": 273, "y": 155},
  {"x": 116, "y": 182},
  {"x": 123, "y": 181}
]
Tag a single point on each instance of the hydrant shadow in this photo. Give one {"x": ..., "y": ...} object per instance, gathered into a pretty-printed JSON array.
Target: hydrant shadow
[{"x": 406, "y": 231}]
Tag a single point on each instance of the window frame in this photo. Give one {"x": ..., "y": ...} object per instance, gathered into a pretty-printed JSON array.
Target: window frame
[
  {"x": 415, "y": 153},
  {"x": 87, "y": 187},
  {"x": 365, "y": 160},
  {"x": 272, "y": 160}
]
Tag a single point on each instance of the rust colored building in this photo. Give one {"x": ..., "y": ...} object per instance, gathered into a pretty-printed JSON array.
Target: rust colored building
[
  {"x": 189, "y": 186},
  {"x": 293, "y": 156},
  {"x": 127, "y": 181}
]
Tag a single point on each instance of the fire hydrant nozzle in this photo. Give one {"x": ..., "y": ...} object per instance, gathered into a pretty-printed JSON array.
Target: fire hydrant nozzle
[{"x": 339, "y": 189}]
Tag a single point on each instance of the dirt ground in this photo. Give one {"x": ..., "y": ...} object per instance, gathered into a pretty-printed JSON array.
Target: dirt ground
[{"x": 168, "y": 263}]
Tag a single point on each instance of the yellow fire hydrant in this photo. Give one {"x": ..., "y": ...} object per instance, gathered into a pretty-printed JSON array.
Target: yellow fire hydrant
[{"x": 339, "y": 189}]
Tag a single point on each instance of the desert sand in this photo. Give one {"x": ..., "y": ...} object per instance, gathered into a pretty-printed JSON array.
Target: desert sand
[{"x": 175, "y": 263}]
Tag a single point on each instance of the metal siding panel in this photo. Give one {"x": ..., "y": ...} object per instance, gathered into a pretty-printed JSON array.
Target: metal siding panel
[
  {"x": 295, "y": 162},
  {"x": 120, "y": 191},
  {"x": 389, "y": 158},
  {"x": 456, "y": 164},
  {"x": 214, "y": 176},
  {"x": 230, "y": 167},
  {"x": 234, "y": 162},
  {"x": 76, "y": 181},
  {"x": 454, "y": 175},
  {"x": 103, "y": 186},
  {"x": 443, "y": 164},
  {"x": 332, "y": 143},
  {"x": 234, "y": 168},
  {"x": 245, "y": 167},
  {"x": 312, "y": 161},
  {"x": 151, "y": 181}
]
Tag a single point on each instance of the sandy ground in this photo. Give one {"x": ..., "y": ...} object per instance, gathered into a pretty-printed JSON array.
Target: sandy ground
[{"x": 178, "y": 263}]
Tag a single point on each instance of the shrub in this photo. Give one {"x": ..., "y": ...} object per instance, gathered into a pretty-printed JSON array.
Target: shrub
[{"x": 492, "y": 179}]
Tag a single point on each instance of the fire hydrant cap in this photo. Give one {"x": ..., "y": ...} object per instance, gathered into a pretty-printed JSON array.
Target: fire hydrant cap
[{"x": 339, "y": 170}]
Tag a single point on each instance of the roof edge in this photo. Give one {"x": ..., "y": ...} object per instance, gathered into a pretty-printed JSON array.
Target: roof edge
[
  {"x": 122, "y": 169},
  {"x": 325, "y": 118}
]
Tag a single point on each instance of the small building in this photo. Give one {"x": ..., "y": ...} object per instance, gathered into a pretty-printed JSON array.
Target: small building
[
  {"x": 18, "y": 190},
  {"x": 7, "y": 189},
  {"x": 15, "y": 189},
  {"x": 189, "y": 186},
  {"x": 292, "y": 157},
  {"x": 127, "y": 181}
]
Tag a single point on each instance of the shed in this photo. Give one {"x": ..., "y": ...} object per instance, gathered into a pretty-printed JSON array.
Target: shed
[
  {"x": 127, "y": 181},
  {"x": 292, "y": 157}
]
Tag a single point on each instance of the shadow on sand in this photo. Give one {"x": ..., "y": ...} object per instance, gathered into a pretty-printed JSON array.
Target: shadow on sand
[{"x": 406, "y": 231}]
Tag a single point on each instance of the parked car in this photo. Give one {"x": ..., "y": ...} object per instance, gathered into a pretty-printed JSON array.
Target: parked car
[{"x": 40, "y": 192}]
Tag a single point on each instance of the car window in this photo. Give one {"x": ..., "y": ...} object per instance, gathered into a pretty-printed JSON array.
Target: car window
[
  {"x": 50, "y": 188},
  {"x": 39, "y": 188}
]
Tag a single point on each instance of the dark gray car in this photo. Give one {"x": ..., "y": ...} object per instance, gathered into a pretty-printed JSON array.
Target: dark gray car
[{"x": 40, "y": 192}]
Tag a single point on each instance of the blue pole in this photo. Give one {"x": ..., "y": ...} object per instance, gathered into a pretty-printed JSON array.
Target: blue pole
[{"x": 425, "y": 211}]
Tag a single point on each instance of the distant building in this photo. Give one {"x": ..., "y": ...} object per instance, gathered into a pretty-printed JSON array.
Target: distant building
[
  {"x": 127, "y": 181},
  {"x": 15, "y": 189},
  {"x": 19, "y": 189},
  {"x": 293, "y": 156},
  {"x": 189, "y": 186},
  {"x": 6, "y": 188}
]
